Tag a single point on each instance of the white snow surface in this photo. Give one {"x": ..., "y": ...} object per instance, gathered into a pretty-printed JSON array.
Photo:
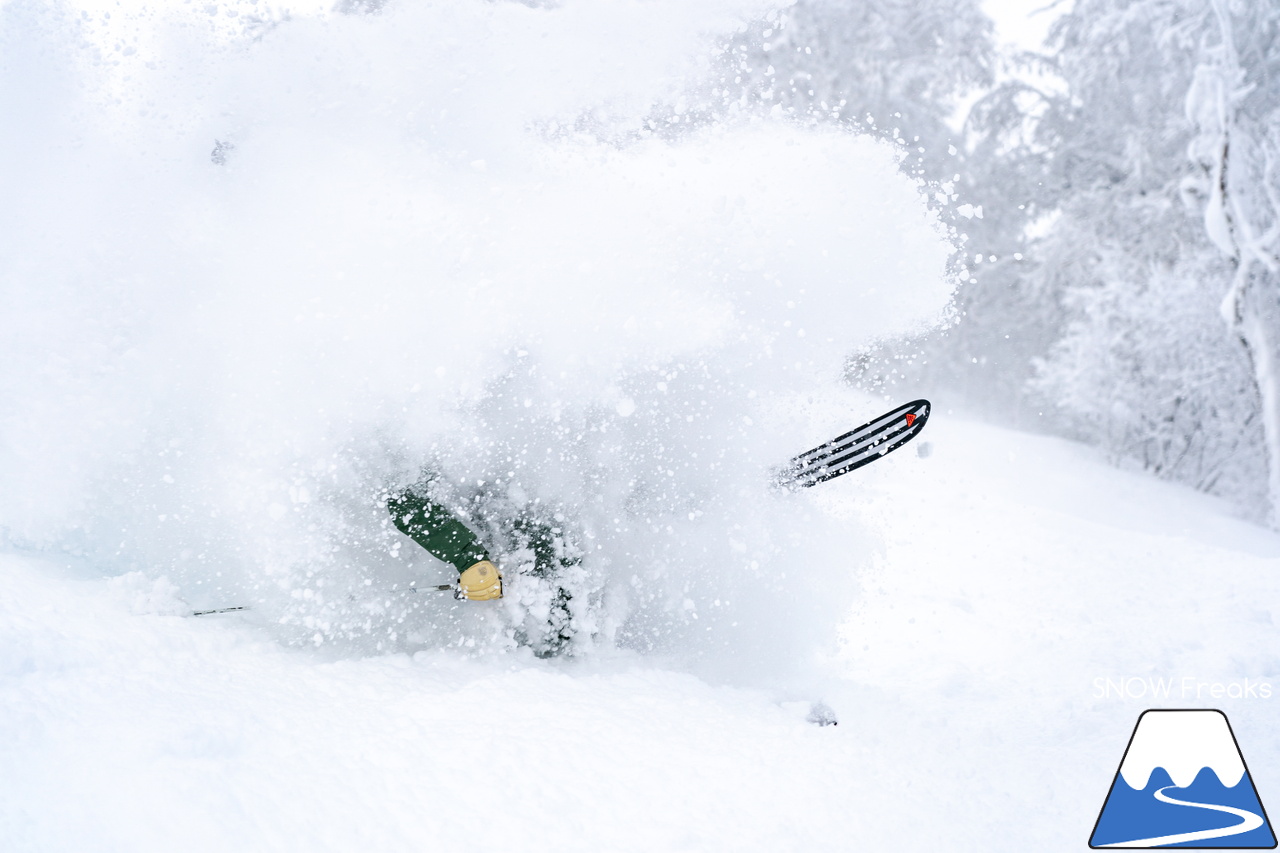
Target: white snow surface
[
  {"x": 1015, "y": 570},
  {"x": 1183, "y": 743}
]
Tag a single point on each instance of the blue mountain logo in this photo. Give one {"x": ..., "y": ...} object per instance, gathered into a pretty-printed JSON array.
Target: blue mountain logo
[{"x": 1183, "y": 783}]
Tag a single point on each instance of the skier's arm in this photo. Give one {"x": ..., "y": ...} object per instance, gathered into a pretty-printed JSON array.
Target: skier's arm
[
  {"x": 436, "y": 529},
  {"x": 441, "y": 533}
]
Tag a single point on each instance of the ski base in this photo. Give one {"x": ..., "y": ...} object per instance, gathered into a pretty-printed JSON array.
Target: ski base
[{"x": 855, "y": 448}]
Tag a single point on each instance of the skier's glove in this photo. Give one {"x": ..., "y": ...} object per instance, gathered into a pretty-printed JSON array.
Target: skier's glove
[{"x": 481, "y": 582}]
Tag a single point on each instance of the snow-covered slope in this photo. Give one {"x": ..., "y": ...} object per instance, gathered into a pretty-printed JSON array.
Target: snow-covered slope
[{"x": 1014, "y": 571}]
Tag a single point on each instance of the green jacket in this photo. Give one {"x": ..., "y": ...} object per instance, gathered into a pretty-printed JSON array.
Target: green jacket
[{"x": 436, "y": 529}]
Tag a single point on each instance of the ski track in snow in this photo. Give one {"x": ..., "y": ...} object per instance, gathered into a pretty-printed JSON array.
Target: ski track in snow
[{"x": 1015, "y": 570}]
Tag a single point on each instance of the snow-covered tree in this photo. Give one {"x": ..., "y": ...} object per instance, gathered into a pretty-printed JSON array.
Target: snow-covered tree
[
  {"x": 1142, "y": 368},
  {"x": 1006, "y": 315},
  {"x": 1234, "y": 102},
  {"x": 1090, "y": 268},
  {"x": 904, "y": 69},
  {"x": 1091, "y": 285},
  {"x": 898, "y": 66}
]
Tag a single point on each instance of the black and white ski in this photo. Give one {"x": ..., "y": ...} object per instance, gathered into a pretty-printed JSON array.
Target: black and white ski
[{"x": 856, "y": 448}]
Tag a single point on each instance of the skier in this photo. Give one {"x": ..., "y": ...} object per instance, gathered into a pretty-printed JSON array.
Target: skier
[
  {"x": 447, "y": 538},
  {"x": 539, "y": 543}
]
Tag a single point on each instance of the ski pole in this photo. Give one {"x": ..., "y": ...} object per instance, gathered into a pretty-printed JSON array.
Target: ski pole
[
  {"x": 221, "y": 610},
  {"x": 444, "y": 587}
]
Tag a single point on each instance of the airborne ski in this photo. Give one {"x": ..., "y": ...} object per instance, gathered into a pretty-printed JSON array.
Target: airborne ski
[{"x": 855, "y": 448}]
